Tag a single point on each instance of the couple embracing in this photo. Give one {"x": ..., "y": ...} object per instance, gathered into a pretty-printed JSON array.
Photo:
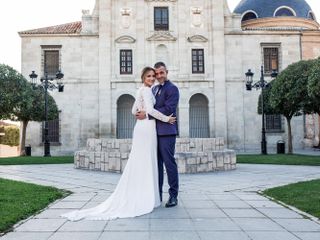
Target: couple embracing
[{"x": 139, "y": 189}]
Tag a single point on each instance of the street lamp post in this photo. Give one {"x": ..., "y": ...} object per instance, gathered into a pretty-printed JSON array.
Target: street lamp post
[
  {"x": 262, "y": 84},
  {"x": 47, "y": 84}
]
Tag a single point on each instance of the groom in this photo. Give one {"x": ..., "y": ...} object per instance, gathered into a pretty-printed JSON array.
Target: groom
[{"x": 167, "y": 98}]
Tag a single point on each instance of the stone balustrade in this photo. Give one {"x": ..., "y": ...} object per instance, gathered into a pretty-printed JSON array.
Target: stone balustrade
[{"x": 193, "y": 155}]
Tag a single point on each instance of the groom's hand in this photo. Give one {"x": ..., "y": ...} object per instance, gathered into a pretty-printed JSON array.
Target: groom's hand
[{"x": 141, "y": 115}]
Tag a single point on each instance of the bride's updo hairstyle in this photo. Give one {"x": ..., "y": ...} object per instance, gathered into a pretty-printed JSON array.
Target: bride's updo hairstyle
[{"x": 145, "y": 71}]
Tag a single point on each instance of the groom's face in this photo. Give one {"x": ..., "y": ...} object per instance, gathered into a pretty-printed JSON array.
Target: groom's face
[{"x": 161, "y": 74}]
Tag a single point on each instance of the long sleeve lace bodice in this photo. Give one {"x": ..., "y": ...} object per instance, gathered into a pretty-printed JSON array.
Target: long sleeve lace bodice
[{"x": 145, "y": 102}]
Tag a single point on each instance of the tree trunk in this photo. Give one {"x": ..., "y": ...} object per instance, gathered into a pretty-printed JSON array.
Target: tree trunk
[
  {"x": 289, "y": 136},
  {"x": 23, "y": 138}
]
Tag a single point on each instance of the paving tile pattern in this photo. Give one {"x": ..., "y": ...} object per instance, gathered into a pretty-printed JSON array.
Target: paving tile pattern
[{"x": 221, "y": 205}]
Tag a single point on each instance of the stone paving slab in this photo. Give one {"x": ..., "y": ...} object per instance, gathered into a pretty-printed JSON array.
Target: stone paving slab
[
  {"x": 225, "y": 235},
  {"x": 275, "y": 235},
  {"x": 308, "y": 235},
  {"x": 76, "y": 236},
  {"x": 27, "y": 236},
  {"x": 125, "y": 235},
  {"x": 41, "y": 225},
  {"x": 222, "y": 206}
]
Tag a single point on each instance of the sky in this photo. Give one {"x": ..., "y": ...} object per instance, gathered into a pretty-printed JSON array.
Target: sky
[{"x": 18, "y": 15}]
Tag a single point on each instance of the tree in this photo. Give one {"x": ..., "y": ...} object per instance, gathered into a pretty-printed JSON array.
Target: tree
[
  {"x": 20, "y": 101},
  {"x": 267, "y": 108},
  {"x": 289, "y": 95},
  {"x": 314, "y": 89},
  {"x": 12, "y": 85}
]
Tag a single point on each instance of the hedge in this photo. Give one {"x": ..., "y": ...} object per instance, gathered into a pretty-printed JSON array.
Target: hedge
[{"x": 11, "y": 136}]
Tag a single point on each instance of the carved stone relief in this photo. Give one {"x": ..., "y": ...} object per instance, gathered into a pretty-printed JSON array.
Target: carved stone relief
[
  {"x": 196, "y": 16},
  {"x": 197, "y": 38},
  {"x": 125, "y": 39},
  {"x": 162, "y": 36},
  {"x": 126, "y": 17}
]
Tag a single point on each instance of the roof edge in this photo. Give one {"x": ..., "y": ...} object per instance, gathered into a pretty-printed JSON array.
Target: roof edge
[{"x": 67, "y": 28}]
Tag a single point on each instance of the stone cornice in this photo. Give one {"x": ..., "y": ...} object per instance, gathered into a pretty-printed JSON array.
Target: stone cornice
[
  {"x": 125, "y": 39},
  {"x": 161, "y": 36}
]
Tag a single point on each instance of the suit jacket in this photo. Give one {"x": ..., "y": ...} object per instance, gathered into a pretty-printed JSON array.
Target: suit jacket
[{"x": 167, "y": 101}]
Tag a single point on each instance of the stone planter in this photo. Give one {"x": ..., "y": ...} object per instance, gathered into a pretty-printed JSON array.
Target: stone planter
[{"x": 193, "y": 155}]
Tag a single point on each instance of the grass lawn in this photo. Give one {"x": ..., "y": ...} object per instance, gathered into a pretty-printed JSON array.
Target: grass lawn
[
  {"x": 283, "y": 159},
  {"x": 20, "y": 200},
  {"x": 35, "y": 160},
  {"x": 303, "y": 195}
]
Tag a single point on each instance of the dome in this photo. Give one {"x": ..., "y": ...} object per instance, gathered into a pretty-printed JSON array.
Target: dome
[{"x": 251, "y": 9}]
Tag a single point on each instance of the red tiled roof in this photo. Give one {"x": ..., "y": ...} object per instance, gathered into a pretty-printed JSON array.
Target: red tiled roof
[{"x": 68, "y": 28}]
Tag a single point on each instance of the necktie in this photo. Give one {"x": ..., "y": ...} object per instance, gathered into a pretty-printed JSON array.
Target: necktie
[
  {"x": 154, "y": 90},
  {"x": 158, "y": 90}
]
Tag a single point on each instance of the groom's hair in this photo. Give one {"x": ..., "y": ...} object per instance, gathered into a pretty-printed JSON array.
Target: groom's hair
[{"x": 160, "y": 64}]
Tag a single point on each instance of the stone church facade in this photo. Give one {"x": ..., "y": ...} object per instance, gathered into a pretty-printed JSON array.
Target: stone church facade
[{"x": 207, "y": 49}]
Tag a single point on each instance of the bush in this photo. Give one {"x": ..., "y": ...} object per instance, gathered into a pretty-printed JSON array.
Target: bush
[{"x": 11, "y": 136}]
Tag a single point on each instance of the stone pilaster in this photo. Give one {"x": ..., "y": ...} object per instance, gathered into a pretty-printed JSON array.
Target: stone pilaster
[
  {"x": 219, "y": 61},
  {"x": 105, "y": 56}
]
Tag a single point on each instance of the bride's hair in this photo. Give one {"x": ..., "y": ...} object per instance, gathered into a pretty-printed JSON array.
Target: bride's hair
[{"x": 145, "y": 71}]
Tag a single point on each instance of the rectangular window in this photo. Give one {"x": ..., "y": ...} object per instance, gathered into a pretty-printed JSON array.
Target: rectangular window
[
  {"x": 51, "y": 62},
  {"x": 271, "y": 59},
  {"x": 273, "y": 123},
  {"x": 161, "y": 18},
  {"x": 50, "y": 59},
  {"x": 197, "y": 61},
  {"x": 53, "y": 131},
  {"x": 125, "y": 61}
]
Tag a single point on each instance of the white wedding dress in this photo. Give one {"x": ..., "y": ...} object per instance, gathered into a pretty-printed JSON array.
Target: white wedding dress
[{"x": 137, "y": 192}]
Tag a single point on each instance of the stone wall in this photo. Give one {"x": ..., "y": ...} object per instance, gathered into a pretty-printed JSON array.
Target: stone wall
[
  {"x": 192, "y": 155},
  {"x": 7, "y": 151}
]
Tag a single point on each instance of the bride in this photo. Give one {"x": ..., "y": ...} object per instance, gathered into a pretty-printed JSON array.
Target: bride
[{"x": 137, "y": 192}]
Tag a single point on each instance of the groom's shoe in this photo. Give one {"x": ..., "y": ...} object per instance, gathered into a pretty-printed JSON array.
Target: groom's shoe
[{"x": 173, "y": 201}]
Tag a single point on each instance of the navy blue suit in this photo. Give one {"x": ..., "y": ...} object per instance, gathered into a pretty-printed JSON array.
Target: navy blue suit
[{"x": 167, "y": 99}]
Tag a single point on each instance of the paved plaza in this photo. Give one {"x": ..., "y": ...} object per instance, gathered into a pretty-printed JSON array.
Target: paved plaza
[{"x": 221, "y": 206}]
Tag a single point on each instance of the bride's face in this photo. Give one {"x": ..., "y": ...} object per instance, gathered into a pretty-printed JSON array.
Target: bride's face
[{"x": 149, "y": 78}]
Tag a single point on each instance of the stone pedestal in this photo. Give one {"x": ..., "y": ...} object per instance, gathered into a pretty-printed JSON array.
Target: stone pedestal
[{"x": 193, "y": 155}]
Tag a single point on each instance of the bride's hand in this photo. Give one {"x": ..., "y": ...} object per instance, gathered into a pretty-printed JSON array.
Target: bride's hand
[
  {"x": 141, "y": 115},
  {"x": 172, "y": 120}
]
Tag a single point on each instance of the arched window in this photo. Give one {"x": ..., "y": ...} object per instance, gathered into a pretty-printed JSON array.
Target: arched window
[
  {"x": 311, "y": 16},
  {"x": 284, "y": 11},
  {"x": 199, "y": 117},
  {"x": 125, "y": 119},
  {"x": 249, "y": 16}
]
